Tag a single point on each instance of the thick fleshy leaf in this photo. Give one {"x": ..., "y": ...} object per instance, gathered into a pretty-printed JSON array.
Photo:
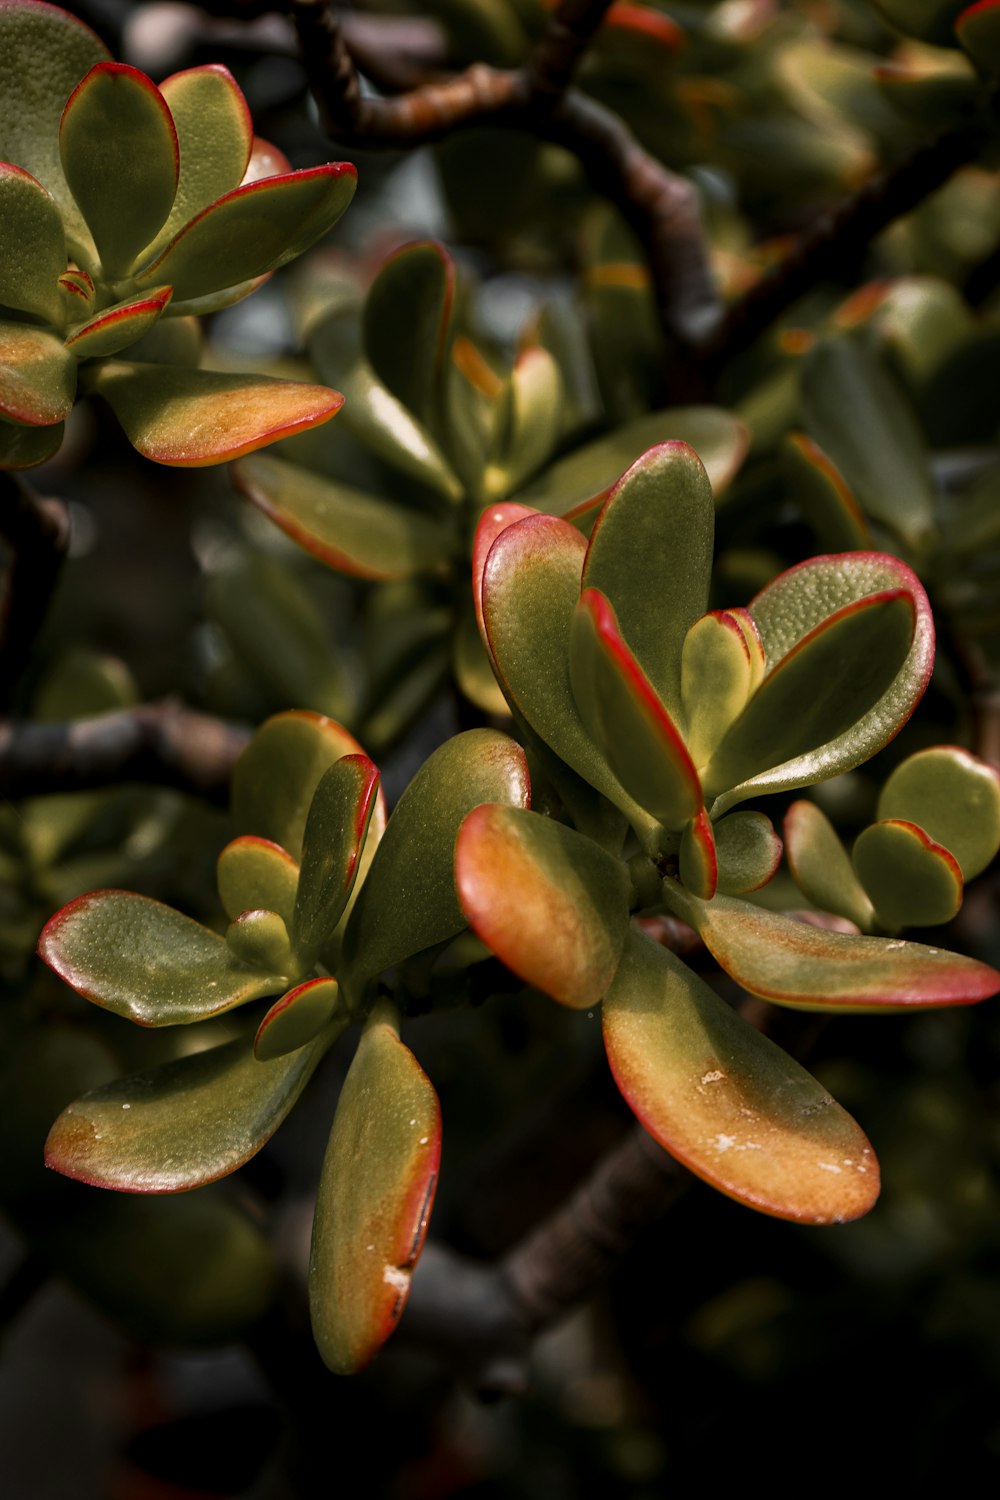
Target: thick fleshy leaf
[
  {"x": 260, "y": 940},
  {"x": 651, "y": 554},
  {"x": 296, "y": 1019},
  {"x": 820, "y": 491},
  {"x": 117, "y": 327},
  {"x": 548, "y": 902},
  {"x": 407, "y": 325},
  {"x": 335, "y": 832},
  {"x": 119, "y": 153},
  {"x": 530, "y": 589},
  {"x": 494, "y": 519},
  {"x": 344, "y": 527},
  {"x": 23, "y": 447},
  {"x": 698, "y": 860},
  {"x": 408, "y": 901},
  {"x": 214, "y": 136},
  {"x": 534, "y": 402},
  {"x": 389, "y": 429},
  {"x": 33, "y": 245},
  {"x": 728, "y": 1103},
  {"x": 910, "y": 880},
  {"x": 860, "y": 418},
  {"x": 37, "y": 376},
  {"x": 146, "y": 961},
  {"x": 793, "y": 605},
  {"x": 816, "y": 694},
  {"x": 626, "y": 718},
  {"x": 189, "y": 418},
  {"x": 821, "y": 865},
  {"x": 182, "y": 1124},
  {"x": 716, "y": 676},
  {"x": 375, "y": 1198},
  {"x": 253, "y": 230},
  {"x": 797, "y": 964},
  {"x": 748, "y": 852},
  {"x": 954, "y": 796},
  {"x": 278, "y": 772},
  {"x": 255, "y": 874},
  {"x": 978, "y": 30}
]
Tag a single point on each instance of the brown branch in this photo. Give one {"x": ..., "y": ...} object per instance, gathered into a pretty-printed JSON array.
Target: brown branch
[
  {"x": 561, "y": 48},
  {"x": 37, "y": 533},
  {"x": 162, "y": 743}
]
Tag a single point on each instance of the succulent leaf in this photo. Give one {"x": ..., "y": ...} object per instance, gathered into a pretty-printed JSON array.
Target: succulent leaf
[
  {"x": 214, "y": 137},
  {"x": 748, "y": 852},
  {"x": 335, "y": 833},
  {"x": 978, "y": 30},
  {"x": 954, "y": 796},
  {"x": 32, "y": 245},
  {"x": 822, "y": 867},
  {"x": 23, "y": 447},
  {"x": 822, "y": 494},
  {"x": 115, "y": 328},
  {"x": 37, "y": 376},
  {"x": 296, "y": 1019},
  {"x": 698, "y": 861},
  {"x": 716, "y": 676},
  {"x": 910, "y": 880},
  {"x": 407, "y": 325},
  {"x": 253, "y": 874}
]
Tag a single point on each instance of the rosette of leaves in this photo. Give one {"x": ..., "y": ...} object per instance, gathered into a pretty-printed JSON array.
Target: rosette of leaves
[
  {"x": 445, "y": 429},
  {"x": 652, "y": 720},
  {"x": 125, "y": 209},
  {"x": 323, "y": 895}
]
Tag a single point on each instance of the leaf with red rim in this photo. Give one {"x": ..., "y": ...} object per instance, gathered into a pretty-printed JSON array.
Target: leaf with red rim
[
  {"x": 253, "y": 230},
  {"x": 407, "y": 325},
  {"x": 721, "y": 1097},
  {"x": 650, "y": 553},
  {"x": 716, "y": 677},
  {"x": 698, "y": 860},
  {"x": 910, "y": 880},
  {"x": 183, "y": 1124},
  {"x": 37, "y": 376},
  {"x": 548, "y": 902},
  {"x": 748, "y": 852},
  {"x": 822, "y": 494},
  {"x": 375, "y": 1197},
  {"x": 32, "y": 245},
  {"x": 119, "y": 152},
  {"x": 190, "y": 418},
  {"x": 335, "y": 832},
  {"x": 297, "y": 1019},
  {"x": 256, "y": 874},
  {"x": 796, "y": 964},
  {"x": 821, "y": 866},
  {"x": 494, "y": 519},
  {"x": 354, "y": 532},
  {"x": 214, "y": 137},
  {"x": 626, "y": 718},
  {"x": 117, "y": 327},
  {"x": 954, "y": 796},
  {"x": 978, "y": 30},
  {"x": 259, "y": 939},
  {"x": 408, "y": 901},
  {"x": 146, "y": 961}
]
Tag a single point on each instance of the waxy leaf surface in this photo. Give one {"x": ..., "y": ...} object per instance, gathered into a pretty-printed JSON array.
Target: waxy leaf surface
[
  {"x": 407, "y": 317},
  {"x": 37, "y": 376},
  {"x": 117, "y": 327},
  {"x": 335, "y": 831},
  {"x": 214, "y": 136},
  {"x": 254, "y": 874},
  {"x": 23, "y": 447},
  {"x": 820, "y": 491},
  {"x": 716, "y": 675},
  {"x": 748, "y": 852},
  {"x": 180, "y": 1125},
  {"x": 548, "y": 902},
  {"x": 822, "y": 867},
  {"x": 954, "y": 796},
  {"x": 910, "y": 880},
  {"x": 32, "y": 243},
  {"x": 728, "y": 1103},
  {"x": 375, "y": 1198},
  {"x": 297, "y": 1019},
  {"x": 146, "y": 961}
]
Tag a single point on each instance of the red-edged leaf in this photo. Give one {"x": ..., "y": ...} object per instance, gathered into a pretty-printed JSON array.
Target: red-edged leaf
[
  {"x": 296, "y": 1019},
  {"x": 32, "y": 245},
  {"x": 335, "y": 832},
  {"x": 254, "y": 874},
  {"x": 821, "y": 866},
  {"x": 23, "y": 447},
  {"x": 910, "y": 880},
  {"x": 117, "y": 327},
  {"x": 954, "y": 796},
  {"x": 215, "y": 139},
  {"x": 716, "y": 676},
  {"x": 748, "y": 852},
  {"x": 494, "y": 519},
  {"x": 978, "y": 30},
  {"x": 822, "y": 494},
  {"x": 37, "y": 376},
  {"x": 699, "y": 864}
]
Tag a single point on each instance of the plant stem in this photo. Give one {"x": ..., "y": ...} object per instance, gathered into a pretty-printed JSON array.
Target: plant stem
[{"x": 37, "y": 532}]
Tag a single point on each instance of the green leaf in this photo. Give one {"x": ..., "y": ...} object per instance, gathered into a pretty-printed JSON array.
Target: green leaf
[
  {"x": 24, "y": 447},
  {"x": 297, "y": 1019},
  {"x": 259, "y": 939},
  {"x": 821, "y": 865},
  {"x": 716, "y": 678},
  {"x": 37, "y": 376},
  {"x": 407, "y": 325},
  {"x": 386, "y": 427},
  {"x": 472, "y": 666},
  {"x": 534, "y": 399},
  {"x": 860, "y": 418},
  {"x": 182, "y": 1124},
  {"x": 119, "y": 153},
  {"x": 32, "y": 245},
  {"x": 748, "y": 852},
  {"x": 145, "y": 961},
  {"x": 728, "y": 1103},
  {"x": 344, "y": 527},
  {"x": 954, "y": 796},
  {"x": 255, "y": 874},
  {"x": 651, "y": 554},
  {"x": 408, "y": 901},
  {"x": 626, "y": 718},
  {"x": 978, "y": 30},
  {"x": 190, "y": 418},
  {"x": 375, "y": 1198},
  {"x": 117, "y": 327},
  {"x": 214, "y": 136},
  {"x": 815, "y": 695},
  {"x": 819, "y": 490},
  {"x": 252, "y": 230},
  {"x": 548, "y": 902},
  {"x": 278, "y": 772},
  {"x": 797, "y": 964},
  {"x": 335, "y": 833},
  {"x": 798, "y": 601},
  {"x": 910, "y": 880},
  {"x": 698, "y": 861}
]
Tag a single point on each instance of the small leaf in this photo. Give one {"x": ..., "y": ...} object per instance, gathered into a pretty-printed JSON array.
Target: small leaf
[
  {"x": 182, "y": 1124},
  {"x": 37, "y": 376},
  {"x": 820, "y": 491},
  {"x": 954, "y": 797},
  {"x": 796, "y": 964},
  {"x": 190, "y": 418},
  {"x": 145, "y": 961},
  {"x": 344, "y": 527},
  {"x": 254, "y": 873},
  {"x": 697, "y": 860},
  {"x": 408, "y": 901},
  {"x": 335, "y": 833},
  {"x": 24, "y": 447},
  {"x": 494, "y": 519},
  {"x": 651, "y": 554},
  {"x": 407, "y": 325},
  {"x": 910, "y": 880},
  {"x": 117, "y": 327},
  {"x": 533, "y": 416},
  {"x": 297, "y": 1019},
  {"x": 259, "y": 939},
  {"x": 716, "y": 677},
  {"x": 728, "y": 1103},
  {"x": 821, "y": 866},
  {"x": 548, "y": 902},
  {"x": 32, "y": 245},
  {"x": 278, "y": 772},
  {"x": 384, "y": 425},
  {"x": 748, "y": 852},
  {"x": 119, "y": 153},
  {"x": 214, "y": 136},
  {"x": 375, "y": 1198}
]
